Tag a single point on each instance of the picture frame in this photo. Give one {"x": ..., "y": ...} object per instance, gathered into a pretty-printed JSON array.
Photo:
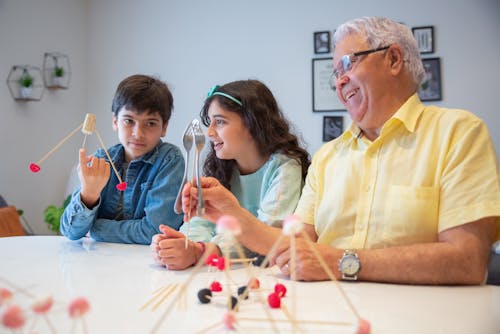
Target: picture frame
[
  {"x": 430, "y": 88},
  {"x": 425, "y": 38},
  {"x": 333, "y": 127},
  {"x": 323, "y": 97},
  {"x": 322, "y": 42}
]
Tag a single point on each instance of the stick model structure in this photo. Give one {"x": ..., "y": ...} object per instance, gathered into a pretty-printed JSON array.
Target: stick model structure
[{"x": 87, "y": 127}]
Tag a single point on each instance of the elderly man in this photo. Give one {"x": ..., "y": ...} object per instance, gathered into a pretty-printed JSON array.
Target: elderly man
[{"x": 408, "y": 194}]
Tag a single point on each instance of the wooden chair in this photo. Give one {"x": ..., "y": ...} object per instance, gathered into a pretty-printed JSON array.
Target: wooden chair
[{"x": 10, "y": 225}]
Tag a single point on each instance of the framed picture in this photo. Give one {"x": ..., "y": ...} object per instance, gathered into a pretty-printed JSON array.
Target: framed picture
[
  {"x": 430, "y": 88},
  {"x": 425, "y": 38},
  {"x": 322, "y": 42},
  {"x": 333, "y": 126},
  {"x": 324, "y": 98}
]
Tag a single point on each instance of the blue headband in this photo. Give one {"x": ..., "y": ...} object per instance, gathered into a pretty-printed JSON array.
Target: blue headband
[{"x": 213, "y": 91}]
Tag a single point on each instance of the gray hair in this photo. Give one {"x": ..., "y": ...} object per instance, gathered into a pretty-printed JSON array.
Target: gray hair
[{"x": 380, "y": 31}]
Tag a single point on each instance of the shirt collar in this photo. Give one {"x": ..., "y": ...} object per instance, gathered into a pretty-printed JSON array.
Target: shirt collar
[{"x": 408, "y": 115}]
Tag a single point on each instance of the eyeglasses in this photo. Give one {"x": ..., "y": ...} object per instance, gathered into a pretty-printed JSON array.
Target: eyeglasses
[{"x": 345, "y": 63}]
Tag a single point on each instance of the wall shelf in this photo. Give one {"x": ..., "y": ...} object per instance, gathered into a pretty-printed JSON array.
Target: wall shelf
[
  {"x": 20, "y": 74},
  {"x": 56, "y": 70}
]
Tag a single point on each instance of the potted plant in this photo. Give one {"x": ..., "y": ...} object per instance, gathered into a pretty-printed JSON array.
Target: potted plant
[
  {"x": 26, "y": 83},
  {"x": 58, "y": 75},
  {"x": 52, "y": 215}
]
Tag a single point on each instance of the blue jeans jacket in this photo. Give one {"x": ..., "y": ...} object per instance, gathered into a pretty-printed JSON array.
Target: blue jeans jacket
[{"x": 153, "y": 181}]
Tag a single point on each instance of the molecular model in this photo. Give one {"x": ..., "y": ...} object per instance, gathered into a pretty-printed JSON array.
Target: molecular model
[
  {"x": 87, "y": 127},
  {"x": 15, "y": 316},
  {"x": 233, "y": 298}
]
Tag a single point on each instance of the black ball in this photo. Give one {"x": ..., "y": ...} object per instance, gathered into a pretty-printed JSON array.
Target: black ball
[
  {"x": 243, "y": 291},
  {"x": 204, "y": 296}
]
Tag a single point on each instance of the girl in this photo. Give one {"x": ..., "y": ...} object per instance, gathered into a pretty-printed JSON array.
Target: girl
[{"x": 254, "y": 155}]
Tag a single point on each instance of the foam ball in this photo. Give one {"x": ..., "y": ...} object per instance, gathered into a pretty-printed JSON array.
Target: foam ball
[
  {"x": 243, "y": 291},
  {"x": 13, "y": 317},
  {"x": 211, "y": 260},
  {"x": 274, "y": 300},
  {"x": 78, "y": 307},
  {"x": 253, "y": 283},
  {"x": 228, "y": 224},
  {"x": 292, "y": 225},
  {"x": 215, "y": 286},
  {"x": 229, "y": 319},
  {"x": 5, "y": 296},
  {"x": 280, "y": 289},
  {"x": 205, "y": 296},
  {"x": 42, "y": 305}
]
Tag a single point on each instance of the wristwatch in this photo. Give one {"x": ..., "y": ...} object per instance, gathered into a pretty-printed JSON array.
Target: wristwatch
[{"x": 349, "y": 265}]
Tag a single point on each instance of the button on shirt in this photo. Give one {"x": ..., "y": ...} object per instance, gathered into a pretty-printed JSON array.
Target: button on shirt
[{"x": 429, "y": 170}]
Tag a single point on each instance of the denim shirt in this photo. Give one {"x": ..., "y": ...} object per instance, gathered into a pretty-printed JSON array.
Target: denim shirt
[{"x": 153, "y": 181}]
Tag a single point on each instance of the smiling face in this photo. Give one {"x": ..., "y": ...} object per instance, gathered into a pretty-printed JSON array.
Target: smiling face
[
  {"x": 138, "y": 133},
  {"x": 364, "y": 88},
  {"x": 232, "y": 140}
]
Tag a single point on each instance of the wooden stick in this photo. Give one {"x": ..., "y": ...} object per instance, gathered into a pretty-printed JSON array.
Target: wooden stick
[
  {"x": 156, "y": 294},
  {"x": 290, "y": 318},
  {"x": 107, "y": 154},
  {"x": 84, "y": 141},
  {"x": 259, "y": 295},
  {"x": 293, "y": 275},
  {"x": 330, "y": 274},
  {"x": 195, "y": 271},
  {"x": 316, "y": 322},
  {"x": 243, "y": 260},
  {"x": 59, "y": 144},
  {"x": 167, "y": 293},
  {"x": 271, "y": 252}
]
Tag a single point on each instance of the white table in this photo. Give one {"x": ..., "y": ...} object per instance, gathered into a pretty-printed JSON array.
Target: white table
[{"x": 118, "y": 279}]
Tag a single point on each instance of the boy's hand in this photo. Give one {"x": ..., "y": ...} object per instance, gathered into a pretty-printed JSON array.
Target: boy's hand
[{"x": 93, "y": 173}]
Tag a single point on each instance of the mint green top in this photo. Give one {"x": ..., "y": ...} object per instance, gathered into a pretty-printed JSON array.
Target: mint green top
[{"x": 271, "y": 194}]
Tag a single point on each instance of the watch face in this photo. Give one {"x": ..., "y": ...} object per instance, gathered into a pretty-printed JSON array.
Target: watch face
[{"x": 349, "y": 265}]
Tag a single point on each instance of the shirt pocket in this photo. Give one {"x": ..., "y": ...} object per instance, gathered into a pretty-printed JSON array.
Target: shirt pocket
[{"x": 411, "y": 215}]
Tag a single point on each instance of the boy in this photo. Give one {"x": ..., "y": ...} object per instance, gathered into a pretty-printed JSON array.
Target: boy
[{"x": 152, "y": 170}]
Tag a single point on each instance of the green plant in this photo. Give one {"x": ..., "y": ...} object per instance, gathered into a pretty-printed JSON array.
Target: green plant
[
  {"x": 26, "y": 80},
  {"x": 59, "y": 71},
  {"x": 52, "y": 215}
]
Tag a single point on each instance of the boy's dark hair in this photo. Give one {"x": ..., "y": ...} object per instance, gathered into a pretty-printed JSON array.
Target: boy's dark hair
[
  {"x": 142, "y": 93},
  {"x": 263, "y": 118}
]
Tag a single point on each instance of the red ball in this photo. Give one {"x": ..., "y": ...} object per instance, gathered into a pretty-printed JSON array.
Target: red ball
[
  {"x": 253, "y": 283},
  {"x": 280, "y": 289},
  {"x": 274, "y": 300},
  {"x": 13, "y": 317},
  {"x": 78, "y": 307},
  {"x": 34, "y": 168},
  {"x": 221, "y": 263},
  {"x": 363, "y": 327},
  {"x": 211, "y": 260},
  {"x": 216, "y": 286},
  {"x": 121, "y": 186}
]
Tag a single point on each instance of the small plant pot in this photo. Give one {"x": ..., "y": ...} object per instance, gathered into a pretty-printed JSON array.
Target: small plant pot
[
  {"x": 25, "y": 92},
  {"x": 57, "y": 81}
]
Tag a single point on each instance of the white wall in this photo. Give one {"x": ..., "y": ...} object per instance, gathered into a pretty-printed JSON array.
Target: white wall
[
  {"x": 194, "y": 44},
  {"x": 28, "y": 29}
]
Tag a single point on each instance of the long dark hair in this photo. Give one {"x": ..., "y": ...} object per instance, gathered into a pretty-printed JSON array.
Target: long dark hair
[{"x": 265, "y": 121}]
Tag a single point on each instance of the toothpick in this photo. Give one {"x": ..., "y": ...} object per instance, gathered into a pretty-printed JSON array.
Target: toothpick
[
  {"x": 330, "y": 273},
  {"x": 59, "y": 144},
  {"x": 107, "y": 154},
  {"x": 316, "y": 322}
]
